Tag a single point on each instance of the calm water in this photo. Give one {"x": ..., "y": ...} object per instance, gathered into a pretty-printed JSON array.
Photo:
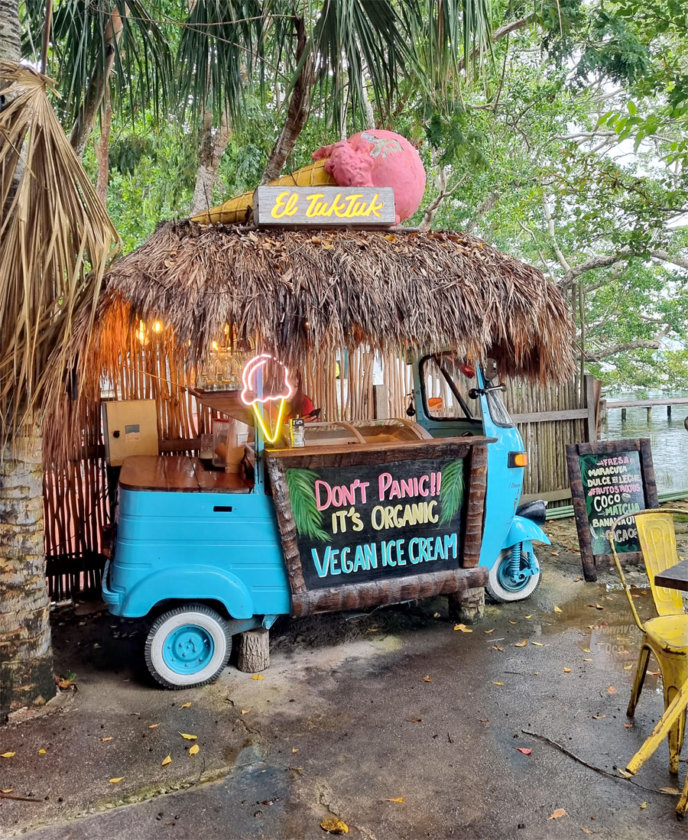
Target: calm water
[{"x": 669, "y": 438}]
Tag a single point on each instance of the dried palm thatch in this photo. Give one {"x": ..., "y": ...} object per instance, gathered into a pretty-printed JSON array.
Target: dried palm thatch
[
  {"x": 54, "y": 239},
  {"x": 296, "y": 293}
]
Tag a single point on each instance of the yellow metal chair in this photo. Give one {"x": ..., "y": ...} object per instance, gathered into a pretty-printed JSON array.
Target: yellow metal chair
[{"x": 665, "y": 636}]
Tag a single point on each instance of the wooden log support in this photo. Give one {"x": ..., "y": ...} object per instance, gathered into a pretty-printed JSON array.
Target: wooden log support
[
  {"x": 467, "y": 606},
  {"x": 254, "y": 651}
]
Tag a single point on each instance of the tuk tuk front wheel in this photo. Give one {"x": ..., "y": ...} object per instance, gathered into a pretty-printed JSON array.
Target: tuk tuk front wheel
[
  {"x": 187, "y": 646},
  {"x": 509, "y": 578}
]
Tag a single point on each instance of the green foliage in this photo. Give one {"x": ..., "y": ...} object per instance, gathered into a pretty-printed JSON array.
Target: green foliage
[
  {"x": 451, "y": 490},
  {"x": 307, "y": 517}
]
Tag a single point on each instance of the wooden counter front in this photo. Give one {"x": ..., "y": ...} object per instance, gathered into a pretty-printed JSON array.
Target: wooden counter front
[
  {"x": 385, "y": 451},
  {"x": 178, "y": 473}
]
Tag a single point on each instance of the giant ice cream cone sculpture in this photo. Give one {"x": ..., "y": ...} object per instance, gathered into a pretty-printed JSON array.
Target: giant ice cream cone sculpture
[
  {"x": 373, "y": 158},
  {"x": 274, "y": 387}
]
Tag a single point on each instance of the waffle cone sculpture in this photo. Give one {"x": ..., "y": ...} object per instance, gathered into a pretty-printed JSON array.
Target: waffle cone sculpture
[
  {"x": 375, "y": 158},
  {"x": 237, "y": 209}
]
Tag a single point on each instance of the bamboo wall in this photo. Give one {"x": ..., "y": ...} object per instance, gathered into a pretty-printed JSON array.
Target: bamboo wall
[{"x": 78, "y": 497}]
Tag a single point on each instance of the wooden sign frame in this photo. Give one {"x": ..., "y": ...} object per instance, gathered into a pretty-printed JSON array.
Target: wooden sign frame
[
  {"x": 606, "y": 447},
  {"x": 324, "y": 206},
  {"x": 393, "y": 589}
]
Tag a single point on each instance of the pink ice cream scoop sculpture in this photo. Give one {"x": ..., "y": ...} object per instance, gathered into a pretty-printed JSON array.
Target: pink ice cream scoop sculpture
[{"x": 378, "y": 158}]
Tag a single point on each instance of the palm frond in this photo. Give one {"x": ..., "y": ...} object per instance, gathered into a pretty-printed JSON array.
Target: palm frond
[
  {"x": 451, "y": 491},
  {"x": 307, "y": 517},
  {"x": 54, "y": 230}
]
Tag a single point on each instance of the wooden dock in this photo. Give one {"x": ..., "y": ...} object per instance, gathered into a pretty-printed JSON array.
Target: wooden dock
[{"x": 646, "y": 404}]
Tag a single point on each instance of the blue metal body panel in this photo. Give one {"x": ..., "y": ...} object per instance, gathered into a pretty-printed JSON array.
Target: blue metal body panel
[
  {"x": 173, "y": 545},
  {"x": 525, "y": 530}
]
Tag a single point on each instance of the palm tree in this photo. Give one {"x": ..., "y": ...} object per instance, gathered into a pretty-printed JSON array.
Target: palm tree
[{"x": 53, "y": 229}]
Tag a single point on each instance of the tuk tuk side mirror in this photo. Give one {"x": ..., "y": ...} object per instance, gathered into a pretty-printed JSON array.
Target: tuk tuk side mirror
[{"x": 490, "y": 369}]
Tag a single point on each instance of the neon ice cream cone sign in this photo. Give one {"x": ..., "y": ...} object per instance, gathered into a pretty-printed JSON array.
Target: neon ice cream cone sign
[{"x": 260, "y": 390}]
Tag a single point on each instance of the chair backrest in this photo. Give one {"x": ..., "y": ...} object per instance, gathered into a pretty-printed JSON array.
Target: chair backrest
[{"x": 657, "y": 538}]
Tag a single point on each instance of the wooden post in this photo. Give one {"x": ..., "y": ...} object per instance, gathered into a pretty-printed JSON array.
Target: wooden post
[
  {"x": 623, "y": 415},
  {"x": 380, "y": 402},
  {"x": 649, "y": 414},
  {"x": 591, "y": 403},
  {"x": 254, "y": 650},
  {"x": 467, "y": 606},
  {"x": 669, "y": 412}
]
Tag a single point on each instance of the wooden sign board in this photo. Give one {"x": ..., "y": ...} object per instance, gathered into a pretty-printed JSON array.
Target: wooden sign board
[
  {"x": 324, "y": 207},
  {"x": 362, "y": 526},
  {"x": 608, "y": 479}
]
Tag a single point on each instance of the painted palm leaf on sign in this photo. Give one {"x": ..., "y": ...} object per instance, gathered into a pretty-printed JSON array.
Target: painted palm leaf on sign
[
  {"x": 451, "y": 492},
  {"x": 307, "y": 517}
]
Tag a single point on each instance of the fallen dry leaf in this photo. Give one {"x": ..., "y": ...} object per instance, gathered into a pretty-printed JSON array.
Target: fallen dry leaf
[
  {"x": 106, "y": 739},
  {"x": 8, "y": 755},
  {"x": 611, "y": 690},
  {"x": 185, "y": 706},
  {"x": 6, "y": 790},
  {"x": 626, "y": 774},
  {"x": 116, "y": 779},
  {"x": 654, "y": 673},
  {"x": 586, "y": 831},
  {"x": 529, "y": 616},
  {"x": 554, "y": 553},
  {"x": 524, "y": 750},
  {"x": 627, "y": 667},
  {"x": 334, "y": 825},
  {"x": 257, "y": 677},
  {"x": 643, "y": 806},
  {"x": 586, "y": 650},
  {"x": 487, "y": 632},
  {"x": 538, "y": 644},
  {"x": 522, "y": 643},
  {"x": 497, "y": 647},
  {"x": 671, "y": 790},
  {"x": 42, "y": 752},
  {"x": 628, "y": 725},
  {"x": 484, "y": 720},
  {"x": 154, "y": 725},
  {"x": 194, "y": 749},
  {"x": 427, "y": 678},
  {"x": 396, "y": 799},
  {"x": 188, "y": 737},
  {"x": 462, "y": 628},
  {"x": 167, "y": 760},
  {"x": 558, "y": 609},
  {"x": 416, "y": 720},
  {"x": 558, "y": 814},
  {"x": 245, "y": 711},
  {"x": 587, "y": 660},
  {"x": 294, "y": 750},
  {"x": 567, "y": 670},
  {"x": 497, "y": 683},
  {"x": 598, "y": 717},
  {"x": 513, "y": 622}
]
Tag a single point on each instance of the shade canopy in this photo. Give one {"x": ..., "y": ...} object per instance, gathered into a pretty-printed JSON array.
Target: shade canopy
[{"x": 299, "y": 293}]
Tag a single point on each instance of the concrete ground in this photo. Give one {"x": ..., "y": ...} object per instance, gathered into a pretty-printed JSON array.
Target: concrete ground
[{"x": 394, "y": 722}]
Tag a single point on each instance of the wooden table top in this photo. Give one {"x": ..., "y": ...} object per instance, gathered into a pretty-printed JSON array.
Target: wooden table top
[
  {"x": 348, "y": 449},
  {"x": 675, "y": 577},
  {"x": 178, "y": 473}
]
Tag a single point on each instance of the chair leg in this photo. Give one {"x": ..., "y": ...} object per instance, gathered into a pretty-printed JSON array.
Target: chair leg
[
  {"x": 641, "y": 668},
  {"x": 663, "y": 728},
  {"x": 682, "y": 805}
]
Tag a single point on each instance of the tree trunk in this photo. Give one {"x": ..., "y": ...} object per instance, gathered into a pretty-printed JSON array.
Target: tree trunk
[
  {"x": 10, "y": 31},
  {"x": 254, "y": 651},
  {"x": 213, "y": 145},
  {"x": 26, "y": 665},
  {"x": 103, "y": 150},
  {"x": 100, "y": 79},
  {"x": 297, "y": 112}
]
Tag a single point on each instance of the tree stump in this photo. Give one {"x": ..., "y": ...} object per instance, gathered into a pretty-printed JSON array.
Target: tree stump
[
  {"x": 254, "y": 650},
  {"x": 467, "y": 606}
]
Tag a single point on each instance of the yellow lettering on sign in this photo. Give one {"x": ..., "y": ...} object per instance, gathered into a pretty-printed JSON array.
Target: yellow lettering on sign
[
  {"x": 350, "y": 207},
  {"x": 285, "y": 206}
]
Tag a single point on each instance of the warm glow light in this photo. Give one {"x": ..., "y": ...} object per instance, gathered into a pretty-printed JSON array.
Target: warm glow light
[
  {"x": 157, "y": 327},
  {"x": 215, "y": 346},
  {"x": 248, "y": 394}
]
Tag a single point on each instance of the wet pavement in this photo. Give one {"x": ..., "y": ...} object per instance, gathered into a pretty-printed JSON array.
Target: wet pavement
[{"x": 395, "y": 722}]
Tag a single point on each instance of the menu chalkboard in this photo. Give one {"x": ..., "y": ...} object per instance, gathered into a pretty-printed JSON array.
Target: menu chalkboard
[
  {"x": 365, "y": 525},
  {"x": 609, "y": 479}
]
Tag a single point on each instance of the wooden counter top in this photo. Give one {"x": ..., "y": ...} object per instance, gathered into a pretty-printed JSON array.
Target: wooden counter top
[
  {"x": 402, "y": 446},
  {"x": 178, "y": 473}
]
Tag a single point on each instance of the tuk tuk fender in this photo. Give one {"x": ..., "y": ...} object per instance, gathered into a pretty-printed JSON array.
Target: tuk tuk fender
[
  {"x": 524, "y": 530},
  {"x": 199, "y": 584}
]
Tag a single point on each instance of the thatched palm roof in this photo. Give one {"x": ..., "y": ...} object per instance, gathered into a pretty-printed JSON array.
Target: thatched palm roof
[{"x": 299, "y": 292}]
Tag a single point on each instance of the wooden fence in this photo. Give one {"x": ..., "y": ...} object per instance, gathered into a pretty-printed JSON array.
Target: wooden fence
[{"x": 79, "y": 498}]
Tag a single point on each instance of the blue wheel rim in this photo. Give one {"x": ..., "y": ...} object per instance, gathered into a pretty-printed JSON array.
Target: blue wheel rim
[
  {"x": 507, "y": 582},
  {"x": 188, "y": 649}
]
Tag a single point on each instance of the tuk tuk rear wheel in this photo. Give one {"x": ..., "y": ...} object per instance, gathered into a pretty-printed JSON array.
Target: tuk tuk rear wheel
[
  {"x": 187, "y": 646},
  {"x": 503, "y": 586}
]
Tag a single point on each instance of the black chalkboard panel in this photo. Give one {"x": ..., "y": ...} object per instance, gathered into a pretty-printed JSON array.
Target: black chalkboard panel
[
  {"x": 370, "y": 522},
  {"x": 609, "y": 479}
]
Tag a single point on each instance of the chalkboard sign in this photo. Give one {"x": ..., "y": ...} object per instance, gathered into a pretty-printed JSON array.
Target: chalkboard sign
[
  {"x": 609, "y": 479},
  {"x": 369, "y": 524}
]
